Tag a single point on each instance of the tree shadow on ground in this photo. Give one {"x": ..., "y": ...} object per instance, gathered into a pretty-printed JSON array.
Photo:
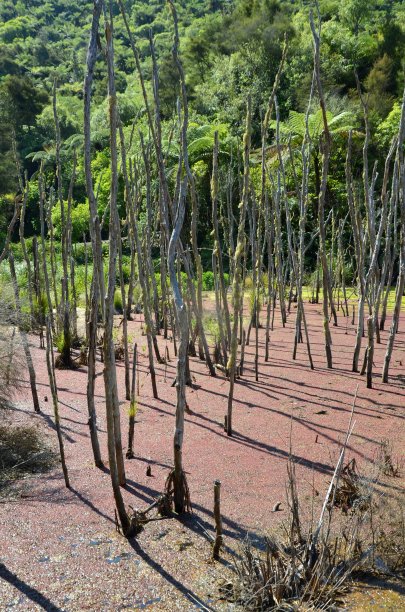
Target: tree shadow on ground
[
  {"x": 27, "y": 590},
  {"x": 201, "y": 526},
  {"x": 155, "y": 566}
]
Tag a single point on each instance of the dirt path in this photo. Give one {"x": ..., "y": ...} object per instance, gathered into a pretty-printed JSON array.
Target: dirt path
[{"x": 59, "y": 549}]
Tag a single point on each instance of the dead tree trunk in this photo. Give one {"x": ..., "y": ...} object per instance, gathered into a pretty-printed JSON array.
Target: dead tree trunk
[
  {"x": 180, "y": 489},
  {"x": 141, "y": 273},
  {"x": 23, "y": 335},
  {"x": 52, "y": 384},
  {"x": 91, "y": 324},
  {"x": 325, "y": 147},
  {"x": 65, "y": 358},
  {"x": 132, "y": 408},
  {"x": 217, "y": 247},
  {"x": 110, "y": 373},
  {"x": 237, "y": 294},
  {"x": 43, "y": 246},
  {"x": 401, "y": 277}
]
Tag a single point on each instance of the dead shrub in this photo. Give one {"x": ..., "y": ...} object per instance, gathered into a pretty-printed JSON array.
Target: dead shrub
[
  {"x": 296, "y": 571},
  {"x": 12, "y": 362},
  {"x": 310, "y": 567},
  {"x": 385, "y": 460},
  {"x": 22, "y": 452},
  {"x": 390, "y": 542},
  {"x": 353, "y": 490}
]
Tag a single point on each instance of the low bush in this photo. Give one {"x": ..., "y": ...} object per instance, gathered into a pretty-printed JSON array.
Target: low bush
[
  {"x": 22, "y": 451},
  {"x": 208, "y": 281}
]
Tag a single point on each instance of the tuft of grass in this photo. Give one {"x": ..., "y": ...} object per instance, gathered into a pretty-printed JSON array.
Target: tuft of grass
[
  {"x": 133, "y": 409},
  {"x": 211, "y": 326},
  {"x": 59, "y": 341},
  {"x": 388, "y": 465}
]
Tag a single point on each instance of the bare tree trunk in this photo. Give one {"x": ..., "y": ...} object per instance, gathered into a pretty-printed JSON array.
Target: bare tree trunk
[
  {"x": 237, "y": 295},
  {"x": 401, "y": 277},
  {"x": 43, "y": 246},
  {"x": 86, "y": 284},
  {"x": 270, "y": 272},
  {"x": 218, "y": 305},
  {"x": 16, "y": 214},
  {"x": 132, "y": 408},
  {"x": 370, "y": 352},
  {"x": 149, "y": 271},
  {"x": 198, "y": 313},
  {"x": 52, "y": 254},
  {"x": 91, "y": 325},
  {"x": 38, "y": 294},
  {"x": 69, "y": 252},
  {"x": 217, "y": 244},
  {"x": 297, "y": 259},
  {"x": 218, "y": 520},
  {"x": 124, "y": 323},
  {"x": 65, "y": 357},
  {"x": 23, "y": 335},
  {"x": 52, "y": 383},
  {"x": 179, "y": 482},
  {"x": 325, "y": 147},
  {"x": 131, "y": 274},
  {"x": 141, "y": 274},
  {"x": 94, "y": 224},
  {"x": 110, "y": 374},
  {"x": 24, "y": 250}
]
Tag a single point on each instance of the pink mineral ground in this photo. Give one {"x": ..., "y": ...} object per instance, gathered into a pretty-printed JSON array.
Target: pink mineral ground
[{"x": 59, "y": 549}]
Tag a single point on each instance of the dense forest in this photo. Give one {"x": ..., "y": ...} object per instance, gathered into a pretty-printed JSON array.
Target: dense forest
[
  {"x": 228, "y": 49},
  {"x": 202, "y": 261}
]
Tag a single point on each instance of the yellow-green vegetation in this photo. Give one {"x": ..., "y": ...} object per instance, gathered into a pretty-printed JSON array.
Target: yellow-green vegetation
[
  {"x": 352, "y": 296},
  {"x": 210, "y": 323},
  {"x": 133, "y": 408}
]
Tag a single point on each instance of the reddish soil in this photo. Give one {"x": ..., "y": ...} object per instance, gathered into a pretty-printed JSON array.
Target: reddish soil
[{"x": 59, "y": 549}]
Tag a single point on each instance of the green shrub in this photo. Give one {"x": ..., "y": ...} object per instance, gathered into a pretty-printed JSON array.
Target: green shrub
[
  {"x": 211, "y": 325},
  {"x": 208, "y": 281},
  {"x": 248, "y": 282},
  {"x": 80, "y": 216},
  {"x": 126, "y": 272},
  {"x": 59, "y": 341},
  {"x": 40, "y": 306},
  {"x": 118, "y": 301}
]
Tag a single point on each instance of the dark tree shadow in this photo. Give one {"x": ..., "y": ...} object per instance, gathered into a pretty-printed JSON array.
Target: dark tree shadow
[
  {"x": 188, "y": 594},
  {"x": 90, "y": 504},
  {"x": 27, "y": 590}
]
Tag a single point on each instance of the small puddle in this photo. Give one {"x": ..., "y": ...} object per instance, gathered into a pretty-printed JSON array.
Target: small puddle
[
  {"x": 141, "y": 605},
  {"x": 98, "y": 542},
  {"x": 121, "y": 557}
]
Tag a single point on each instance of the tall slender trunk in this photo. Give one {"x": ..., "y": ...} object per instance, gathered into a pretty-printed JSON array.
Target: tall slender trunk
[
  {"x": 91, "y": 325},
  {"x": 132, "y": 408},
  {"x": 325, "y": 148},
  {"x": 52, "y": 383},
  {"x": 23, "y": 335},
  {"x": 217, "y": 244},
  {"x": 237, "y": 293}
]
